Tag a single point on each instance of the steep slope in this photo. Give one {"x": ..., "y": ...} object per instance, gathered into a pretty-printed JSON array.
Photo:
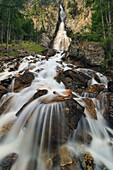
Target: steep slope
[{"x": 46, "y": 16}]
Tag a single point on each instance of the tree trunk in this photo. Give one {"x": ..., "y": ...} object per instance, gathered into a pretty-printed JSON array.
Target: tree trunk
[
  {"x": 103, "y": 27},
  {"x": 109, "y": 11},
  {"x": 8, "y": 29},
  {"x": 2, "y": 33}
]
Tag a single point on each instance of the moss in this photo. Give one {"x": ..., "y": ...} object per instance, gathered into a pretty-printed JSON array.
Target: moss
[{"x": 32, "y": 46}]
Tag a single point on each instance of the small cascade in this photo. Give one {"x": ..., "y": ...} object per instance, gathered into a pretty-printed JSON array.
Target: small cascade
[
  {"x": 61, "y": 41},
  {"x": 92, "y": 134}
]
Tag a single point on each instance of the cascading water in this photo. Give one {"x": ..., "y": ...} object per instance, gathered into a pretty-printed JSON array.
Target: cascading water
[
  {"x": 61, "y": 41},
  {"x": 38, "y": 127}
]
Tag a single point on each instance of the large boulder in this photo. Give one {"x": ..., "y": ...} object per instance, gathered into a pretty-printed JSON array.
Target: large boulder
[
  {"x": 23, "y": 81},
  {"x": 74, "y": 80},
  {"x": 48, "y": 52}
]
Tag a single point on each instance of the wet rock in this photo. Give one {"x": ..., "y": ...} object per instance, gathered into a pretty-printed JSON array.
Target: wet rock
[
  {"x": 83, "y": 137},
  {"x": 96, "y": 77},
  {"x": 23, "y": 81},
  {"x": 65, "y": 157},
  {"x": 110, "y": 86},
  {"x": 49, "y": 163},
  {"x": 53, "y": 99},
  {"x": 51, "y": 52},
  {"x": 73, "y": 80},
  {"x": 87, "y": 162},
  {"x": 6, "y": 82},
  {"x": 61, "y": 128},
  {"x": 8, "y": 161},
  {"x": 48, "y": 52},
  {"x": 4, "y": 105},
  {"x": 95, "y": 89},
  {"x": 73, "y": 112},
  {"x": 38, "y": 94},
  {"x": 90, "y": 108},
  {"x": 108, "y": 113},
  {"x": 5, "y": 129},
  {"x": 3, "y": 90},
  {"x": 44, "y": 52}
]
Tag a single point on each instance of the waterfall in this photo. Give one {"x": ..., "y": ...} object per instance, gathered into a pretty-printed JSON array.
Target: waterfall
[
  {"x": 61, "y": 41},
  {"x": 37, "y": 126}
]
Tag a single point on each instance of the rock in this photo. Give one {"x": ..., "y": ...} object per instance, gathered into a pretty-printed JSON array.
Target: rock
[
  {"x": 48, "y": 52},
  {"x": 3, "y": 90},
  {"x": 6, "y": 82},
  {"x": 36, "y": 95},
  {"x": 73, "y": 80},
  {"x": 8, "y": 161},
  {"x": 90, "y": 108},
  {"x": 5, "y": 129},
  {"x": 65, "y": 157},
  {"x": 108, "y": 113},
  {"x": 4, "y": 105},
  {"x": 49, "y": 163},
  {"x": 45, "y": 40},
  {"x": 93, "y": 54},
  {"x": 83, "y": 137},
  {"x": 87, "y": 162},
  {"x": 75, "y": 51},
  {"x": 95, "y": 88},
  {"x": 44, "y": 52},
  {"x": 73, "y": 112},
  {"x": 51, "y": 52},
  {"x": 110, "y": 86},
  {"x": 53, "y": 99},
  {"x": 23, "y": 81}
]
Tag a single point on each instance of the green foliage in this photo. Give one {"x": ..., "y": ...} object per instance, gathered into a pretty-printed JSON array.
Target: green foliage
[
  {"x": 89, "y": 2},
  {"x": 19, "y": 26},
  {"x": 73, "y": 8},
  {"x": 32, "y": 46},
  {"x": 108, "y": 49},
  {"x": 76, "y": 86}
]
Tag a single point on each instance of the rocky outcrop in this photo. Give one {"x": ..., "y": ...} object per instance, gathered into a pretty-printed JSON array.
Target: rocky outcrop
[
  {"x": 73, "y": 113},
  {"x": 93, "y": 54},
  {"x": 108, "y": 113},
  {"x": 48, "y": 52},
  {"x": 77, "y": 16},
  {"x": 46, "y": 18},
  {"x": 45, "y": 40},
  {"x": 23, "y": 81},
  {"x": 74, "y": 80},
  {"x": 75, "y": 50},
  {"x": 89, "y": 53}
]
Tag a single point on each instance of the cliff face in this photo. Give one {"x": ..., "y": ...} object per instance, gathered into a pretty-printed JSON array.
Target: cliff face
[
  {"x": 45, "y": 17},
  {"x": 78, "y": 17}
]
